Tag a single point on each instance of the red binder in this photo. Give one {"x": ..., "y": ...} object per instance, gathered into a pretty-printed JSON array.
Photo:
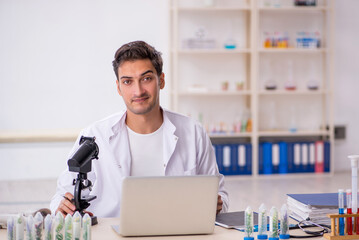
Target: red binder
[{"x": 319, "y": 156}]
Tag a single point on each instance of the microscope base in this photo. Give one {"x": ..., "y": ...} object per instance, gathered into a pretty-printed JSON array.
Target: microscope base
[{"x": 93, "y": 220}]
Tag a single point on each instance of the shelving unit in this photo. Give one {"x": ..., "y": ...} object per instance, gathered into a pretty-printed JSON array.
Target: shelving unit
[{"x": 221, "y": 87}]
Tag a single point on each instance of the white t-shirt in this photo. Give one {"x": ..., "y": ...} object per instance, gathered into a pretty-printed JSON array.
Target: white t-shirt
[{"x": 147, "y": 153}]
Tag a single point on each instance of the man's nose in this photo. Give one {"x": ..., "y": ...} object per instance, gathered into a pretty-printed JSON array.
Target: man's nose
[{"x": 138, "y": 89}]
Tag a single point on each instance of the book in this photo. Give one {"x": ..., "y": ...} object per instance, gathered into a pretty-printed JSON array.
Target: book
[{"x": 313, "y": 206}]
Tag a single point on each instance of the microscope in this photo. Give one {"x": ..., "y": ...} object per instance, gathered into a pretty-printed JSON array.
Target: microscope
[{"x": 81, "y": 162}]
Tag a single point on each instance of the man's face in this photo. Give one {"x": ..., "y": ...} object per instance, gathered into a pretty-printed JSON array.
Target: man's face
[{"x": 139, "y": 85}]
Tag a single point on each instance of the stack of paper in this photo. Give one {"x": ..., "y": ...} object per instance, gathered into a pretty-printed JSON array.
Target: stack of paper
[{"x": 314, "y": 207}]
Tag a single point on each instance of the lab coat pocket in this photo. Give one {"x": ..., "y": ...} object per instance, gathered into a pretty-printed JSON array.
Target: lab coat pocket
[{"x": 190, "y": 172}]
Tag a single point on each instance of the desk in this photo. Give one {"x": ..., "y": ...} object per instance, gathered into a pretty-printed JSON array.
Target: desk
[{"x": 103, "y": 231}]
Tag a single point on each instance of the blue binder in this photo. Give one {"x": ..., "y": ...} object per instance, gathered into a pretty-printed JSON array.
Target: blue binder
[
  {"x": 248, "y": 158},
  {"x": 297, "y": 166},
  {"x": 283, "y": 157},
  {"x": 290, "y": 157},
  {"x": 226, "y": 163},
  {"x": 311, "y": 164},
  {"x": 240, "y": 169},
  {"x": 275, "y": 162},
  {"x": 267, "y": 158},
  {"x": 219, "y": 157},
  {"x": 303, "y": 155},
  {"x": 326, "y": 156},
  {"x": 260, "y": 158}
]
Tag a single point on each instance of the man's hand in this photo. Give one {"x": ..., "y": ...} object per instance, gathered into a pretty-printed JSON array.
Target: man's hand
[
  {"x": 66, "y": 205},
  {"x": 219, "y": 204}
]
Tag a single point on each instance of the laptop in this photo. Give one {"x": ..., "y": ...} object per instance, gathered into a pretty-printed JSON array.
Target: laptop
[{"x": 171, "y": 205}]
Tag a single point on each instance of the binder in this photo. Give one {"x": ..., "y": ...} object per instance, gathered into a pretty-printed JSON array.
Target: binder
[
  {"x": 319, "y": 156},
  {"x": 241, "y": 156},
  {"x": 305, "y": 157},
  {"x": 234, "y": 168},
  {"x": 219, "y": 157},
  {"x": 248, "y": 158},
  {"x": 297, "y": 158},
  {"x": 275, "y": 158},
  {"x": 290, "y": 158},
  {"x": 317, "y": 200},
  {"x": 311, "y": 157},
  {"x": 260, "y": 158},
  {"x": 283, "y": 157},
  {"x": 327, "y": 156},
  {"x": 226, "y": 159},
  {"x": 314, "y": 206},
  {"x": 267, "y": 158}
]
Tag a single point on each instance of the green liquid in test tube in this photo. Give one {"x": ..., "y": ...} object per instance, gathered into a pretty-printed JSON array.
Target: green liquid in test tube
[
  {"x": 273, "y": 224},
  {"x": 262, "y": 222},
  {"x": 248, "y": 221}
]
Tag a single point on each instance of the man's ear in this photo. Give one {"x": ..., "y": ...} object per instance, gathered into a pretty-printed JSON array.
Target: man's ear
[
  {"x": 118, "y": 87},
  {"x": 162, "y": 81}
]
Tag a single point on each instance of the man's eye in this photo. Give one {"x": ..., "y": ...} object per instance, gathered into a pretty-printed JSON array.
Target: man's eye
[
  {"x": 147, "y": 79},
  {"x": 126, "y": 82}
]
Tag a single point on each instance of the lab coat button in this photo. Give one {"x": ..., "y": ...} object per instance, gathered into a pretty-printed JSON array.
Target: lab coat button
[
  {"x": 176, "y": 138},
  {"x": 164, "y": 165}
]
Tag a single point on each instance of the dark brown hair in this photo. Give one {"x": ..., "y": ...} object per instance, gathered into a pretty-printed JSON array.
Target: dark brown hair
[{"x": 137, "y": 50}]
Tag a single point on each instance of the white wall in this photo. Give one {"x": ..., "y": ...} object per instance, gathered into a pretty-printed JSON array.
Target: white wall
[
  {"x": 55, "y": 71},
  {"x": 346, "y": 108}
]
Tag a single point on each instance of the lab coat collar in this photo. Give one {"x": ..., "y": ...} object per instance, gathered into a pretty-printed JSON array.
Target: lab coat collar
[
  {"x": 118, "y": 125},
  {"x": 169, "y": 138}
]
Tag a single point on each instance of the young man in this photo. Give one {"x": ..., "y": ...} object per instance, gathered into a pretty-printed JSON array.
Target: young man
[{"x": 145, "y": 140}]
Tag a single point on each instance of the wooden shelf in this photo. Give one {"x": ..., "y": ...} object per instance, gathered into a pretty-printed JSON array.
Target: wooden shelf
[
  {"x": 211, "y": 67},
  {"x": 230, "y": 135},
  {"x": 65, "y": 135},
  {"x": 294, "y": 9},
  {"x": 292, "y": 50},
  {"x": 291, "y": 134},
  {"x": 214, "y": 51},
  {"x": 210, "y": 9},
  {"x": 214, "y": 93},
  {"x": 292, "y": 92}
]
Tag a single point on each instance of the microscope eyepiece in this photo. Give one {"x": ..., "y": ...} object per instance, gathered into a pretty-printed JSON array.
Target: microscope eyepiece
[{"x": 81, "y": 160}]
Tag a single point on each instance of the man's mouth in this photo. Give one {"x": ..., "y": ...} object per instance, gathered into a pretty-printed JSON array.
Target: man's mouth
[{"x": 140, "y": 99}]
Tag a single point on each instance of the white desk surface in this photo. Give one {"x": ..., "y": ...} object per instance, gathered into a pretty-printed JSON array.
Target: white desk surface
[{"x": 103, "y": 231}]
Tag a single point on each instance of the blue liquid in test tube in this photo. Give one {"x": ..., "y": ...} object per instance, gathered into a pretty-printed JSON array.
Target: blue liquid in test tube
[{"x": 341, "y": 211}]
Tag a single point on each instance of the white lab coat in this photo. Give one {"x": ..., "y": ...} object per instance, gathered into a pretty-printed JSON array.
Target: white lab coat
[{"x": 187, "y": 150}]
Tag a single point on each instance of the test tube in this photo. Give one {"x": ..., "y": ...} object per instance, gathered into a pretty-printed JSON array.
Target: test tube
[
  {"x": 284, "y": 226},
  {"x": 349, "y": 211},
  {"x": 59, "y": 226},
  {"x": 341, "y": 211},
  {"x": 86, "y": 227},
  {"x": 38, "y": 225},
  {"x": 262, "y": 222},
  {"x": 68, "y": 227},
  {"x": 30, "y": 228},
  {"x": 48, "y": 227},
  {"x": 273, "y": 224},
  {"x": 248, "y": 222},
  {"x": 20, "y": 227},
  {"x": 10, "y": 228},
  {"x": 76, "y": 225},
  {"x": 354, "y": 164}
]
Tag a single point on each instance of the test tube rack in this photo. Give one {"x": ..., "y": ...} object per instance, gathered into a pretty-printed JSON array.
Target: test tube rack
[{"x": 334, "y": 234}]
